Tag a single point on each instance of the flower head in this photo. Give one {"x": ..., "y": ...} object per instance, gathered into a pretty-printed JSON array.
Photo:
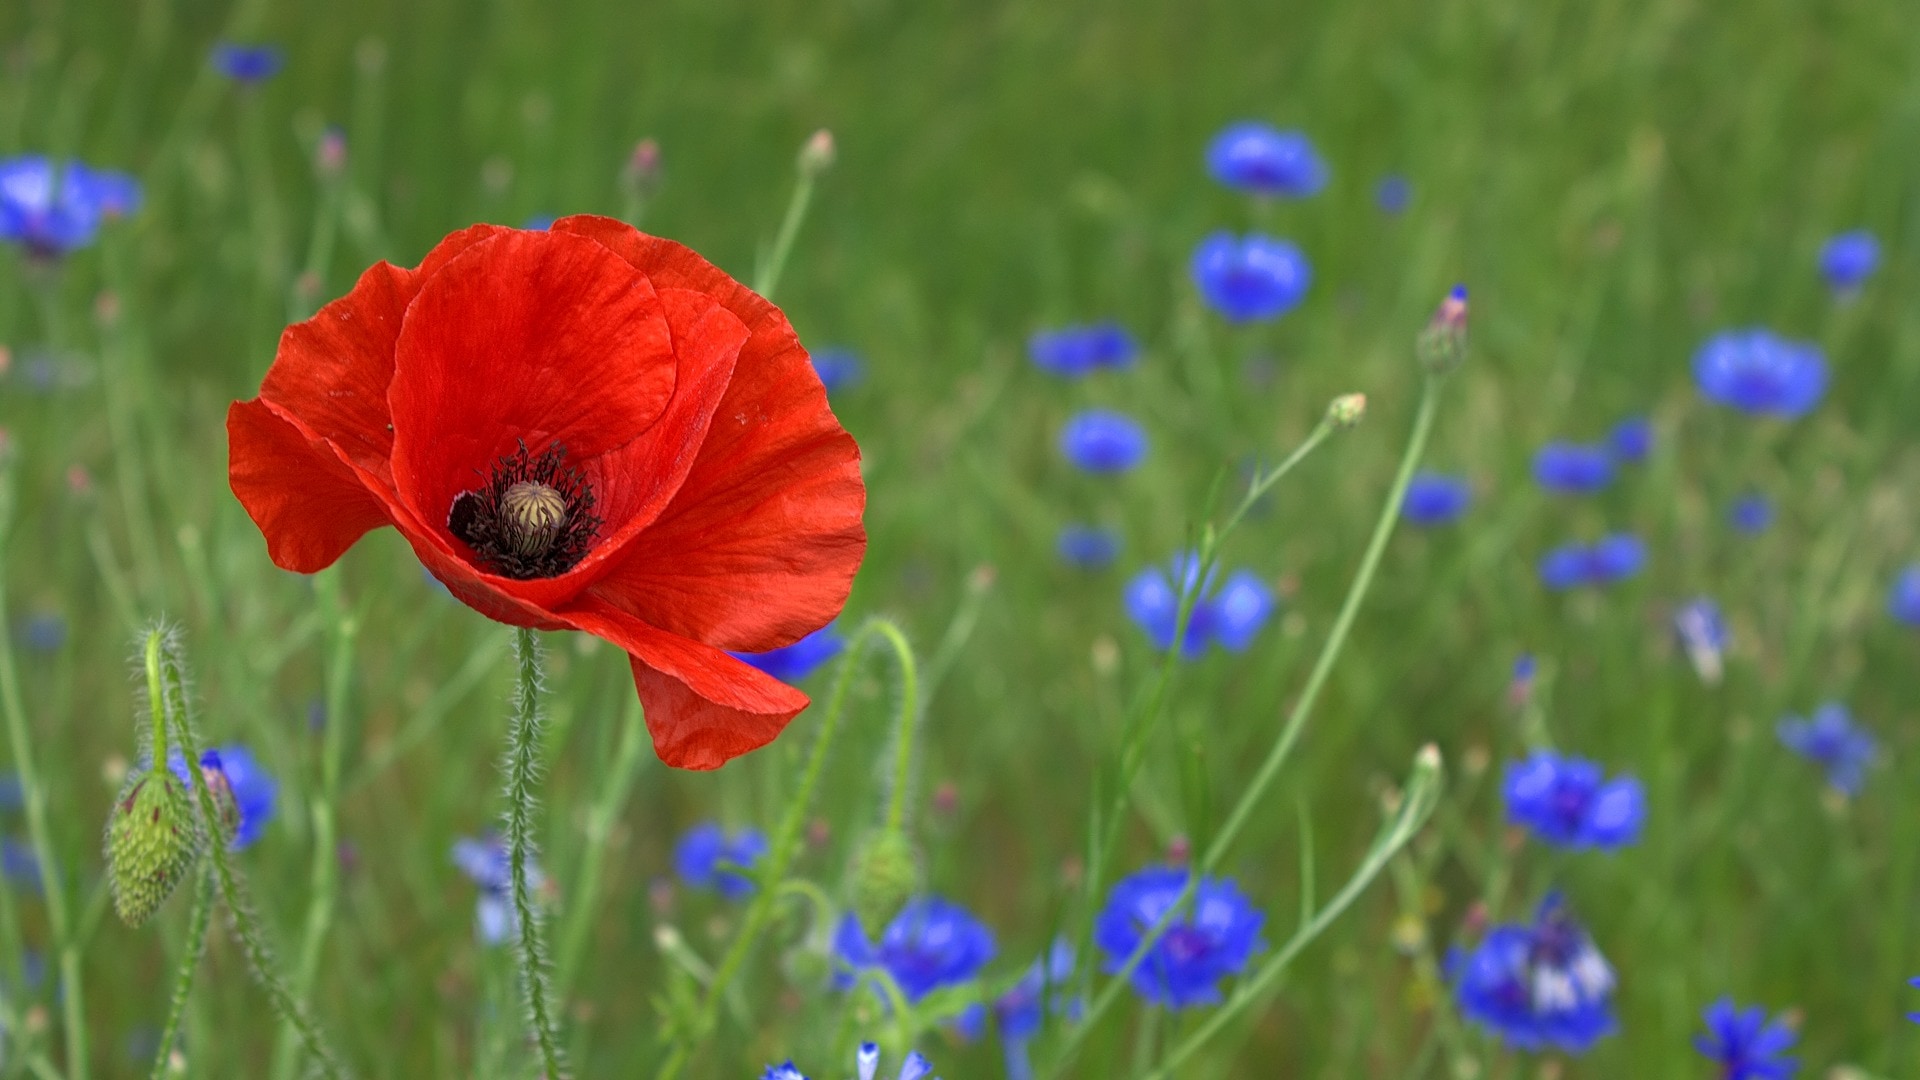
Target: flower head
[
  {"x": 487, "y": 864},
  {"x": 1247, "y": 279},
  {"x": 1442, "y": 344},
  {"x": 1089, "y": 547},
  {"x": 1572, "y": 468},
  {"x": 1631, "y": 440},
  {"x": 1848, "y": 259},
  {"x": 931, "y": 943},
  {"x": 1020, "y": 1011},
  {"x": 1757, "y": 371},
  {"x": 839, "y": 369},
  {"x": 1209, "y": 939},
  {"x": 1568, "y": 802},
  {"x": 1539, "y": 985},
  {"x": 1903, "y": 599},
  {"x": 792, "y": 663},
  {"x": 1834, "y": 742},
  {"x": 1702, "y": 631},
  {"x": 52, "y": 209},
  {"x": 585, "y": 428},
  {"x": 1393, "y": 194},
  {"x": 1230, "y": 617},
  {"x": 1103, "y": 441},
  {"x": 247, "y": 64},
  {"x": 1255, "y": 158},
  {"x": 1751, "y": 514},
  {"x": 1745, "y": 1044},
  {"x": 233, "y": 770},
  {"x": 1436, "y": 499},
  {"x": 866, "y": 1063},
  {"x": 1074, "y": 351},
  {"x": 1611, "y": 559},
  {"x": 707, "y": 858}
]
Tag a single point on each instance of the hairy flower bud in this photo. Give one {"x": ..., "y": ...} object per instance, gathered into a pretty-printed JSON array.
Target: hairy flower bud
[
  {"x": 886, "y": 872},
  {"x": 153, "y": 840},
  {"x": 1346, "y": 410},
  {"x": 1443, "y": 344}
]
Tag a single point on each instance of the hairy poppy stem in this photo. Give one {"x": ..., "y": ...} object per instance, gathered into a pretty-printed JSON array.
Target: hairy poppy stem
[
  {"x": 523, "y": 772},
  {"x": 33, "y": 798},
  {"x": 198, "y": 923}
]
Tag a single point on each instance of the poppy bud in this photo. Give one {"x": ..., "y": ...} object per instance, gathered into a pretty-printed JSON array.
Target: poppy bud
[
  {"x": 1443, "y": 344},
  {"x": 153, "y": 840},
  {"x": 1346, "y": 410},
  {"x": 886, "y": 871}
]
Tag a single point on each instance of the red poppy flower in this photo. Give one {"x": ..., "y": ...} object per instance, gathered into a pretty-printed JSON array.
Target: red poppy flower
[{"x": 584, "y": 428}]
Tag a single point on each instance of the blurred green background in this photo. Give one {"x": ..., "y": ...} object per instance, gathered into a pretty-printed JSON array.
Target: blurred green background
[{"x": 1615, "y": 180}]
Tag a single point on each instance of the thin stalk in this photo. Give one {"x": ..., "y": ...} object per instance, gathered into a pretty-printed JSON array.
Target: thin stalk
[
  {"x": 33, "y": 798},
  {"x": 323, "y": 877},
  {"x": 198, "y": 923},
  {"x": 904, "y": 727},
  {"x": 523, "y": 772},
  {"x": 1337, "y": 637},
  {"x": 786, "y": 841},
  {"x": 165, "y": 680},
  {"x": 586, "y": 890},
  {"x": 768, "y": 274}
]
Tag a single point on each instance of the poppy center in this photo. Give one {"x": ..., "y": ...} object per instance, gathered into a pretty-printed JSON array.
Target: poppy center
[{"x": 532, "y": 518}]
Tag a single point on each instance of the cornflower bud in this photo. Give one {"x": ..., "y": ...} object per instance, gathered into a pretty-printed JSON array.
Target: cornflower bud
[
  {"x": 1346, "y": 410},
  {"x": 1443, "y": 344},
  {"x": 817, "y": 154}
]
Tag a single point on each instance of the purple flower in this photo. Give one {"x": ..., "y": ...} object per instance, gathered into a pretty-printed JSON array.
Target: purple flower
[
  {"x": 247, "y": 64},
  {"x": 1745, "y": 1044},
  {"x": 706, "y": 857},
  {"x": 1751, "y": 514},
  {"x": 1568, "y": 802},
  {"x": 1089, "y": 547},
  {"x": 1208, "y": 940},
  {"x": 1903, "y": 600},
  {"x": 1537, "y": 986},
  {"x": 1849, "y": 259},
  {"x": 254, "y": 788},
  {"x": 839, "y": 369},
  {"x": 1251, "y": 278},
  {"x": 1230, "y": 617},
  {"x": 1436, "y": 499},
  {"x": 52, "y": 209},
  {"x": 1572, "y": 468},
  {"x": 793, "y": 663},
  {"x": 1834, "y": 742},
  {"x": 486, "y": 863},
  {"x": 1393, "y": 194},
  {"x": 1255, "y": 158},
  {"x": 1612, "y": 559},
  {"x": 1703, "y": 634},
  {"x": 1631, "y": 439},
  {"x": 1074, "y": 351},
  {"x": 932, "y": 943},
  {"x": 1103, "y": 441},
  {"x": 1759, "y": 372}
]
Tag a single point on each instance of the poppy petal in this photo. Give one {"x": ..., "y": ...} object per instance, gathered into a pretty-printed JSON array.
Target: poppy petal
[
  {"x": 530, "y": 338},
  {"x": 704, "y": 708},
  {"x": 308, "y": 503},
  {"x": 760, "y": 544},
  {"x": 332, "y": 371}
]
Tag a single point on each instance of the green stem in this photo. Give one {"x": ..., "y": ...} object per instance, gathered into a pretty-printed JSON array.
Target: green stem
[
  {"x": 523, "y": 767},
  {"x": 323, "y": 876},
  {"x": 165, "y": 680},
  {"x": 769, "y": 273},
  {"x": 198, "y": 923},
  {"x": 785, "y": 843},
  {"x": 34, "y": 799},
  {"x": 586, "y": 891},
  {"x": 904, "y": 727},
  {"x": 1337, "y": 637}
]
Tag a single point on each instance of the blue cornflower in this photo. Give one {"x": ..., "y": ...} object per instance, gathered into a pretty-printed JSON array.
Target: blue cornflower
[
  {"x": 1751, "y": 514},
  {"x": 1903, "y": 600},
  {"x": 254, "y": 788},
  {"x": 1255, "y": 158},
  {"x": 51, "y": 210},
  {"x": 1611, "y": 559},
  {"x": 1436, "y": 499},
  {"x": 43, "y": 631},
  {"x": 1103, "y": 441},
  {"x": 1573, "y": 468},
  {"x": 19, "y": 864},
  {"x": 539, "y": 222},
  {"x": 1745, "y": 1044},
  {"x": 706, "y": 857},
  {"x": 1849, "y": 259},
  {"x": 1569, "y": 803},
  {"x": 783, "y": 1071},
  {"x": 1019, "y": 1013},
  {"x": 1231, "y": 617},
  {"x": 1915, "y": 983},
  {"x": 1834, "y": 742},
  {"x": 247, "y": 64},
  {"x": 1393, "y": 194},
  {"x": 1702, "y": 631},
  {"x": 932, "y": 943},
  {"x": 1250, "y": 278},
  {"x": 792, "y": 663},
  {"x": 1212, "y": 938},
  {"x": 1757, "y": 371},
  {"x": 1540, "y": 985},
  {"x": 839, "y": 369},
  {"x": 486, "y": 863},
  {"x": 1631, "y": 439},
  {"x": 1074, "y": 351},
  {"x": 866, "y": 1062},
  {"x": 1089, "y": 547}
]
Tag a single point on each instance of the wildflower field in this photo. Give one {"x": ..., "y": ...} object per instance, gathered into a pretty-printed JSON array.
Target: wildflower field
[{"x": 980, "y": 540}]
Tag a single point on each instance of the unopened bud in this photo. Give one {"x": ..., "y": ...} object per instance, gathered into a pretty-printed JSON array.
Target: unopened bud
[
  {"x": 817, "y": 154},
  {"x": 886, "y": 872},
  {"x": 330, "y": 154},
  {"x": 642, "y": 173},
  {"x": 1443, "y": 344},
  {"x": 153, "y": 840},
  {"x": 1346, "y": 410}
]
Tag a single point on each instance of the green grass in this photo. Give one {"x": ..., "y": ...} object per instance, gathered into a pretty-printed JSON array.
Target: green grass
[{"x": 1615, "y": 181}]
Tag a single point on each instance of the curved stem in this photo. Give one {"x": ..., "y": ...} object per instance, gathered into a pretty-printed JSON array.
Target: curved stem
[
  {"x": 198, "y": 923},
  {"x": 905, "y": 725},
  {"x": 523, "y": 770}
]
